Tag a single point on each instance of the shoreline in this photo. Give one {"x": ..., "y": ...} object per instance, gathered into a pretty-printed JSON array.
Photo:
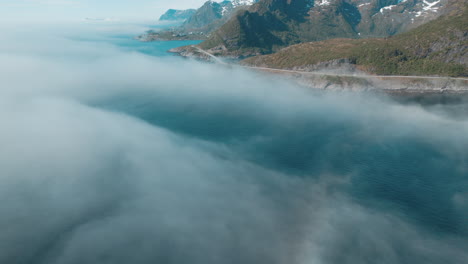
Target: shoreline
[
  {"x": 377, "y": 83},
  {"x": 341, "y": 78}
]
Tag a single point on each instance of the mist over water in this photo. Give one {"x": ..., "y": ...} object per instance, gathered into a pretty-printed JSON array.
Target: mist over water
[{"x": 114, "y": 152}]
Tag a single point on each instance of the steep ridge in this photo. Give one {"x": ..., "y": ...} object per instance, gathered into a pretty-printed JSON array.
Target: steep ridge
[
  {"x": 176, "y": 15},
  {"x": 273, "y": 24},
  {"x": 438, "y": 47},
  {"x": 210, "y": 13}
]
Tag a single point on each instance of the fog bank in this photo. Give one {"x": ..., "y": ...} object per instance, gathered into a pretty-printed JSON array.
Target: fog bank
[{"x": 112, "y": 156}]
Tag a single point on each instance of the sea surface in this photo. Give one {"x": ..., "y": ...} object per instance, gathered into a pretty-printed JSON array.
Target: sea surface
[
  {"x": 127, "y": 42},
  {"x": 155, "y": 48},
  {"x": 145, "y": 157}
]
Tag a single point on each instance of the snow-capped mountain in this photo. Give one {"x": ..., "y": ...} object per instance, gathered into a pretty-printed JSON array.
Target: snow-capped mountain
[
  {"x": 391, "y": 17},
  {"x": 272, "y": 24},
  {"x": 266, "y": 25},
  {"x": 214, "y": 13},
  {"x": 226, "y": 7}
]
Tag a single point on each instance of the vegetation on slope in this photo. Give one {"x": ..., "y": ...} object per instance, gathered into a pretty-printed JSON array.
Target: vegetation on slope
[
  {"x": 271, "y": 25},
  {"x": 436, "y": 48}
]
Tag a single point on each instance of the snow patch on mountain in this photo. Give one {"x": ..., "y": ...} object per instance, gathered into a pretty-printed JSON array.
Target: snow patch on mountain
[
  {"x": 224, "y": 10},
  {"x": 428, "y": 7},
  {"x": 422, "y": 7},
  {"x": 323, "y": 2},
  {"x": 236, "y": 3},
  {"x": 386, "y": 8},
  {"x": 431, "y": 6},
  {"x": 228, "y": 6}
]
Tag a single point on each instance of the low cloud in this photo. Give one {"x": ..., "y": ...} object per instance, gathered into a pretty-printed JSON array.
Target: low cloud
[{"x": 112, "y": 156}]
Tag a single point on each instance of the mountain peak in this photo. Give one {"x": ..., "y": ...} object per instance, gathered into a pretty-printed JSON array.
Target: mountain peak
[{"x": 272, "y": 24}]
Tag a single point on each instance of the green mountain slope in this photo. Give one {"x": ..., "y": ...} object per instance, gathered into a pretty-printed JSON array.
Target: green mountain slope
[
  {"x": 271, "y": 25},
  {"x": 436, "y": 48}
]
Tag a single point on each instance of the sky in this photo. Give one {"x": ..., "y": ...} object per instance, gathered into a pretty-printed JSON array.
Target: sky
[{"x": 40, "y": 10}]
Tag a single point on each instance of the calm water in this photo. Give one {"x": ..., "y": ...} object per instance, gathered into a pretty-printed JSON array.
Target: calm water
[
  {"x": 156, "y": 48},
  {"x": 109, "y": 34}
]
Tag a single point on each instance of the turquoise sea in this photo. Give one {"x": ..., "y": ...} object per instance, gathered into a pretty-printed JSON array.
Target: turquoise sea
[{"x": 156, "y": 48}]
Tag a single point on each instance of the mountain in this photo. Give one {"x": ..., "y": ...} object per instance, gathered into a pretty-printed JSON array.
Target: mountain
[
  {"x": 209, "y": 17},
  {"x": 439, "y": 47},
  {"x": 176, "y": 15},
  {"x": 213, "y": 14},
  {"x": 270, "y": 25}
]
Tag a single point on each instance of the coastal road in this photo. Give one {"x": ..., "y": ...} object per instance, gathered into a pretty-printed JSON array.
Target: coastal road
[
  {"x": 356, "y": 75},
  {"x": 216, "y": 59},
  {"x": 219, "y": 61}
]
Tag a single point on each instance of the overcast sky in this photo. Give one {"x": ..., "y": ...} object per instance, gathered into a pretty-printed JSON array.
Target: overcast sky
[{"x": 79, "y": 9}]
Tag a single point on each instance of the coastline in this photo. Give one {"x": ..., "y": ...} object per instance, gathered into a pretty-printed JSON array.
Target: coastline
[
  {"x": 344, "y": 77},
  {"x": 329, "y": 79}
]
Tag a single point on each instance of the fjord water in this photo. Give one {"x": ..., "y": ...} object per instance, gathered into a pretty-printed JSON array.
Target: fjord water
[
  {"x": 142, "y": 157},
  {"x": 155, "y": 48},
  {"x": 127, "y": 42}
]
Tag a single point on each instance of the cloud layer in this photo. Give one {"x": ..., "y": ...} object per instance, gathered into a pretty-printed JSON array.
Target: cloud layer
[{"x": 111, "y": 156}]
